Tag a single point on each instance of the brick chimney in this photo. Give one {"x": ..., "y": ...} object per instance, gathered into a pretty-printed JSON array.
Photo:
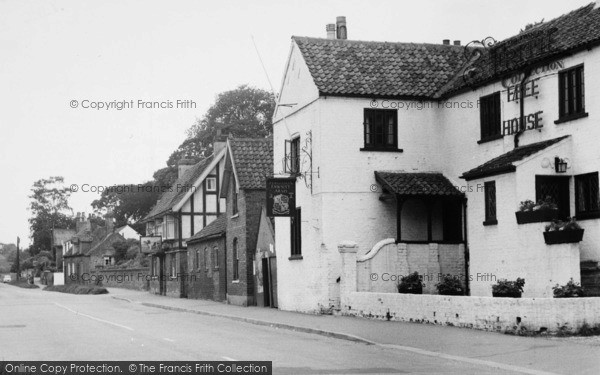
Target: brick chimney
[
  {"x": 341, "y": 29},
  {"x": 219, "y": 143},
  {"x": 446, "y": 42},
  {"x": 109, "y": 224},
  {"x": 330, "y": 30},
  {"x": 183, "y": 165},
  {"x": 457, "y": 42}
]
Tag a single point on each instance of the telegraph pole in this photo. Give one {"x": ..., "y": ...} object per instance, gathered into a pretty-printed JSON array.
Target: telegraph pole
[{"x": 18, "y": 265}]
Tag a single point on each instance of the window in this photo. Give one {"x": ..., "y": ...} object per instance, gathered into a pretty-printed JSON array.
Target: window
[
  {"x": 587, "y": 200},
  {"x": 154, "y": 262},
  {"x": 555, "y": 189},
  {"x": 292, "y": 156},
  {"x": 571, "y": 95},
  {"x": 215, "y": 257},
  {"x": 149, "y": 228},
  {"x": 489, "y": 189},
  {"x": 490, "y": 117},
  {"x": 211, "y": 184},
  {"x": 236, "y": 260},
  {"x": 170, "y": 227},
  {"x": 381, "y": 129},
  {"x": 158, "y": 227},
  {"x": 234, "y": 198},
  {"x": 197, "y": 260},
  {"x": 296, "y": 234},
  {"x": 206, "y": 259}
]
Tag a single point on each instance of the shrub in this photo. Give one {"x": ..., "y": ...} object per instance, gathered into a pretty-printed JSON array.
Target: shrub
[
  {"x": 570, "y": 290},
  {"x": 557, "y": 225},
  {"x": 542, "y": 204},
  {"x": 450, "y": 286},
  {"x": 411, "y": 284},
  {"x": 505, "y": 288}
]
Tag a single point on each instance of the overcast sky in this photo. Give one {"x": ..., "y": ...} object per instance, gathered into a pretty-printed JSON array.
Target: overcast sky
[{"x": 55, "y": 52}]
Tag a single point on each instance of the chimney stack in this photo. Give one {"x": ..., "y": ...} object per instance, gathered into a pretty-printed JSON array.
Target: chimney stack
[
  {"x": 446, "y": 42},
  {"x": 457, "y": 42},
  {"x": 184, "y": 165},
  {"x": 109, "y": 224},
  {"x": 342, "y": 31},
  {"x": 330, "y": 30},
  {"x": 219, "y": 143}
]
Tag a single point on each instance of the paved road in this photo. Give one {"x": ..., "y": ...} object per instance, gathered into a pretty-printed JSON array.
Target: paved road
[{"x": 38, "y": 325}]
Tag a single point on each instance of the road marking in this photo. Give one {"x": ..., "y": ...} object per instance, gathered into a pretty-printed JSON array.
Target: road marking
[
  {"x": 474, "y": 361},
  {"x": 169, "y": 340},
  {"x": 94, "y": 318},
  {"x": 229, "y": 359}
]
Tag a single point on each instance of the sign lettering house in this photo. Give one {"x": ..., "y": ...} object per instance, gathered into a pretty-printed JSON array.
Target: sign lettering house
[{"x": 281, "y": 197}]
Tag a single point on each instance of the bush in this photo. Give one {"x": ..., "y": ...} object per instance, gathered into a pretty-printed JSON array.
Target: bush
[
  {"x": 411, "y": 284},
  {"x": 505, "y": 288},
  {"x": 450, "y": 286},
  {"x": 570, "y": 290}
]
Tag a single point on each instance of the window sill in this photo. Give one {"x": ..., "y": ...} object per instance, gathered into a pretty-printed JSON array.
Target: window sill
[
  {"x": 381, "y": 149},
  {"x": 235, "y": 281},
  {"x": 234, "y": 216},
  {"x": 490, "y": 222},
  {"x": 490, "y": 139},
  {"x": 296, "y": 257},
  {"x": 587, "y": 215},
  {"x": 571, "y": 117}
]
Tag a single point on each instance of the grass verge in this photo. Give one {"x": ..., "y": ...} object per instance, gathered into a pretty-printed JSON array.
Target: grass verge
[
  {"x": 76, "y": 289},
  {"x": 23, "y": 284}
]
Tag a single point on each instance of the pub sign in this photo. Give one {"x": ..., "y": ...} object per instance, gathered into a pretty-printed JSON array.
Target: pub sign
[
  {"x": 281, "y": 197},
  {"x": 150, "y": 244}
]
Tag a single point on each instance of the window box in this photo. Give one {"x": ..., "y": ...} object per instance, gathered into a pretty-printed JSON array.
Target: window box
[
  {"x": 507, "y": 294},
  {"x": 538, "y": 216},
  {"x": 563, "y": 236}
]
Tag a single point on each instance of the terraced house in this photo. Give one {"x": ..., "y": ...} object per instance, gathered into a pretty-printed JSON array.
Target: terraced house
[{"x": 416, "y": 157}]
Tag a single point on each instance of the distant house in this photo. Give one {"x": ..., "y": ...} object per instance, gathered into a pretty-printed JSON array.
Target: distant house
[
  {"x": 59, "y": 237},
  {"x": 128, "y": 232},
  {"x": 185, "y": 208},
  {"x": 88, "y": 249},
  {"x": 249, "y": 163},
  {"x": 207, "y": 262}
]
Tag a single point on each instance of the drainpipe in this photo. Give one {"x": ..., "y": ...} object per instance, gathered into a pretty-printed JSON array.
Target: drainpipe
[
  {"x": 465, "y": 231},
  {"x": 522, "y": 107}
]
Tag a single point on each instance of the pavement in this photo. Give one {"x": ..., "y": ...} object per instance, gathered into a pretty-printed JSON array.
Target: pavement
[{"x": 532, "y": 355}]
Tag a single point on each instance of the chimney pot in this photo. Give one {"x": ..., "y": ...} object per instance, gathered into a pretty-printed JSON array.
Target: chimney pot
[
  {"x": 457, "y": 42},
  {"x": 446, "y": 42},
  {"x": 342, "y": 30},
  {"x": 330, "y": 30}
]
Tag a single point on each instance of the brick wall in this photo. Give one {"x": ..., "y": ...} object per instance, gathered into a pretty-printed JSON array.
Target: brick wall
[
  {"x": 137, "y": 279},
  {"x": 203, "y": 283},
  {"x": 244, "y": 228}
]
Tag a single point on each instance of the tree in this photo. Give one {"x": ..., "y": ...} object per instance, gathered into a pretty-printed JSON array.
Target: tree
[
  {"x": 244, "y": 112},
  {"x": 128, "y": 203},
  {"x": 50, "y": 209}
]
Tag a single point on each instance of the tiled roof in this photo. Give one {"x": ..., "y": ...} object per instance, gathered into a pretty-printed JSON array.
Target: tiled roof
[
  {"x": 570, "y": 32},
  {"x": 416, "y": 184},
  {"x": 173, "y": 196},
  {"x": 253, "y": 160},
  {"x": 104, "y": 246},
  {"x": 379, "y": 69},
  {"x": 217, "y": 227},
  {"x": 504, "y": 162}
]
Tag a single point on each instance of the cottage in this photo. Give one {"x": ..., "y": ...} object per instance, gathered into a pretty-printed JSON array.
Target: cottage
[
  {"x": 412, "y": 152},
  {"x": 189, "y": 205}
]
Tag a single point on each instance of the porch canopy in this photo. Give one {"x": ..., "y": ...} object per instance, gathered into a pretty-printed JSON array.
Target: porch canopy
[{"x": 431, "y": 189}]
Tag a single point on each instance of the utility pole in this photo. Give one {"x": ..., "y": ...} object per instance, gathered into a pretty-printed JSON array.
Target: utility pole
[{"x": 18, "y": 265}]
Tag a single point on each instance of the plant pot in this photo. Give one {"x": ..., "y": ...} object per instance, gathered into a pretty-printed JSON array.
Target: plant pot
[
  {"x": 411, "y": 289},
  {"x": 538, "y": 216},
  {"x": 563, "y": 236},
  {"x": 507, "y": 295}
]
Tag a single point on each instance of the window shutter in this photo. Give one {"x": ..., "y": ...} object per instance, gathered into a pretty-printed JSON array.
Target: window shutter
[{"x": 288, "y": 157}]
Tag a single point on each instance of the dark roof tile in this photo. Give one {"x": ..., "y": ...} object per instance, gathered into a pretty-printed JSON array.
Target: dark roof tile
[
  {"x": 416, "y": 184},
  {"x": 253, "y": 160}
]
